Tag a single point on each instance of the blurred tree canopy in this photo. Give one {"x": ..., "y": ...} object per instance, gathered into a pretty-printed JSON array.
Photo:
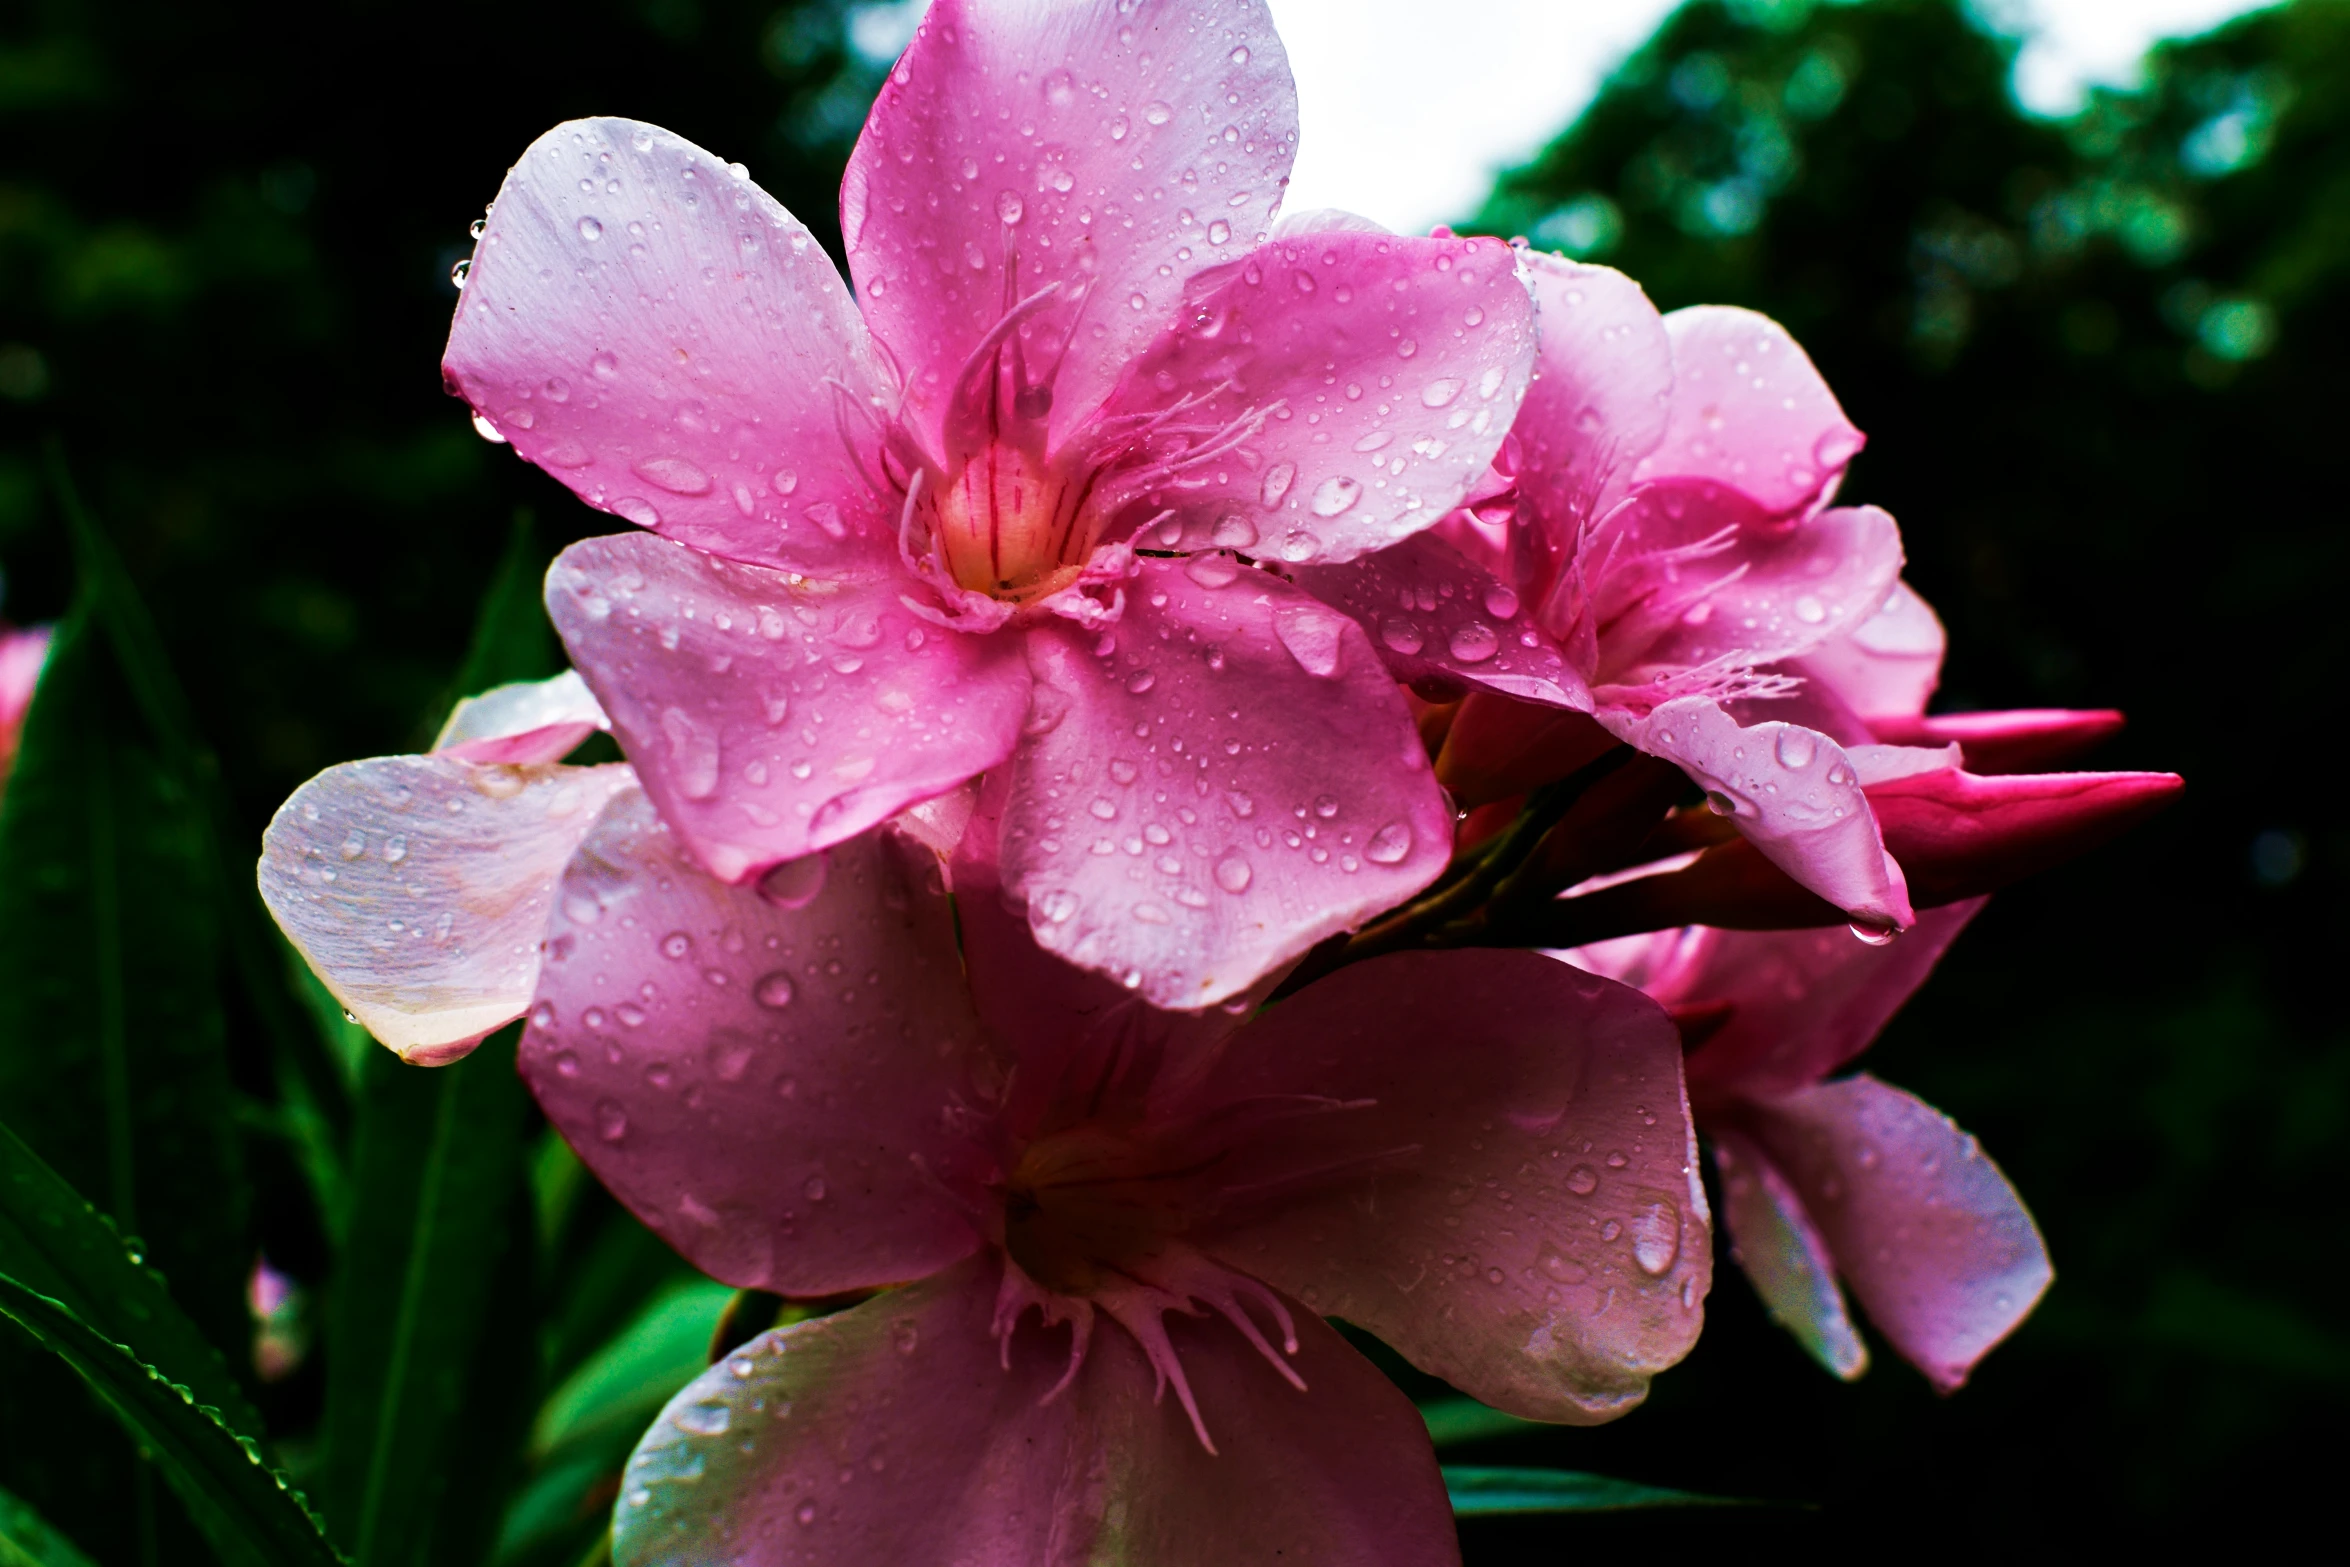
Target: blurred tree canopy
[{"x": 2090, "y": 358}]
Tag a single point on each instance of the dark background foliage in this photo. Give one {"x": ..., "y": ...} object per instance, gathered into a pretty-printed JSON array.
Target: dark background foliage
[{"x": 2094, "y": 359}]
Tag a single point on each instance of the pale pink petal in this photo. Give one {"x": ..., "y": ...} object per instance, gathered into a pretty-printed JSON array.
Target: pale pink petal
[
  {"x": 417, "y": 888},
  {"x": 953, "y": 1455},
  {"x": 1957, "y": 835},
  {"x": 2016, "y": 741},
  {"x": 1697, "y": 583},
  {"x": 1435, "y": 616},
  {"x": 655, "y": 331},
  {"x": 1338, "y": 392},
  {"x": 22, "y": 653},
  {"x": 1108, "y": 151},
  {"x": 1214, "y": 785},
  {"x": 1751, "y": 412},
  {"x": 1791, "y": 792},
  {"x": 1783, "y": 1255},
  {"x": 777, "y": 1080},
  {"x": 769, "y": 714},
  {"x": 1924, "y": 1228},
  {"x": 1498, "y": 1177},
  {"x": 1599, "y": 403},
  {"x": 1886, "y": 667},
  {"x": 527, "y": 722},
  {"x": 1800, "y": 1003}
]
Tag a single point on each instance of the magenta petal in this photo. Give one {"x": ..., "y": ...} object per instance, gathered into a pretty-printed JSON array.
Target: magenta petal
[
  {"x": 1792, "y": 792},
  {"x": 953, "y": 1455},
  {"x": 2015, "y": 741},
  {"x": 771, "y": 715},
  {"x": 1751, "y": 412},
  {"x": 1887, "y": 667},
  {"x": 1497, "y": 1174},
  {"x": 1110, "y": 151},
  {"x": 1363, "y": 383},
  {"x": 527, "y": 722},
  {"x": 1802, "y": 1002},
  {"x": 1928, "y": 1233},
  {"x": 767, "y": 1078},
  {"x": 659, "y": 334},
  {"x": 417, "y": 888},
  {"x": 1434, "y": 615},
  {"x": 1221, "y": 781},
  {"x": 1602, "y": 398},
  {"x": 1784, "y": 1256}
]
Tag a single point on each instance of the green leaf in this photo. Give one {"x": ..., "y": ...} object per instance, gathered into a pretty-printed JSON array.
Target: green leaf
[
  {"x": 439, "y": 1205},
  {"x": 248, "y": 1512},
  {"x": 512, "y": 637},
  {"x": 1453, "y": 1421},
  {"x": 621, "y": 1387},
  {"x": 54, "y": 1241},
  {"x": 1484, "y": 1492},
  {"x": 27, "y": 1541}
]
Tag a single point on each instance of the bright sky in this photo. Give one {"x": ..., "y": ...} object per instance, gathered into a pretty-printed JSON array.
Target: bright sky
[{"x": 1411, "y": 106}]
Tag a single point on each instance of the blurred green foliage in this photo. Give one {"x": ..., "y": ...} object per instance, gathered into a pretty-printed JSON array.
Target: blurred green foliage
[{"x": 2090, "y": 356}]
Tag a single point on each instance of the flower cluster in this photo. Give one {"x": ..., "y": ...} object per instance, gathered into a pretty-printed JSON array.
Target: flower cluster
[{"x": 1125, "y": 713}]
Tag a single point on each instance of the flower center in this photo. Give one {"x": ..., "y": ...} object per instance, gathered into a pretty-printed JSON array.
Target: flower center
[
  {"x": 1011, "y": 525},
  {"x": 1087, "y": 1206}
]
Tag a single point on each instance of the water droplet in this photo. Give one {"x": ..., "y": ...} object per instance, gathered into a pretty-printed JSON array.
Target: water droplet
[
  {"x": 1721, "y": 803},
  {"x": 1233, "y": 872},
  {"x": 1239, "y": 56},
  {"x": 676, "y": 944},
  {"x": 675, "y": 475},
  {"x": 1390, "y": 845},
  {"x": 1219, "y": 232},
  {"x": 1582, "y": 1180},
  {"x": 1402, "y": 635},
  {"x": 1795, "y": 747},
  {"x": 795, "y": 883},
  {"x": 566, "y": 1064},
  {"x": 815, "y": 1188},
  {"x": 1278, "y": 478},
  {"x": 806, "y": 1513},
  {"x": 1474, "y": 643},
  {"x": 1233, "y": 532},
  {"x": 611, "y": 1121},
  {"x": 693, "y": 753},
  {"x": 1656, "y": 1236},
  {"x": 1500, "y": 602},
  {"x": 590, "y": 230},
  {"x": 355, "y": 845},
  {"x": 1336, "y": 495},
  {"x": 488, "y": 431},
  {"x": 1140, "y": 681},
  {"x": 1008, "y": 207},
  {"x": 827, "y": 516},
  {"x": 1440, "y": 393},
  {"x": 1871, "y": 934},
  {"x": 395, "y": 850},
  {"x": 774, "y": 991},
  {"x": 708, "y": 1418},
  {"x": 1810, "y": 610},
  {"x": 1157, "y": 113}
]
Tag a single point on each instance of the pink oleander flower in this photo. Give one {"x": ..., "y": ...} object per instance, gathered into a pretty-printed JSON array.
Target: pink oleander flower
[
  {"x": 1851, "y": 1179},
  {"x": 1032, "y": 499},
  {"x": 1663, "y": 516},
  {"x": 809, "y": 1086},
  {"x": 22, "y": 653}
]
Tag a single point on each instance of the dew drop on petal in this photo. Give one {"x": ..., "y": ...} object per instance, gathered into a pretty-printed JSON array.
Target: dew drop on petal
[
  {"x": 1440, "y": 393},
  {"x": 1278, "y": 478},
  {"x": 1390, "y": 845},
  {"x": 1656, "y": 1236},
  {"x": 1336, "y": 495},
  {"x": 1474, "y": 643},
  {"x": 590, "y": 230},
  {"x": 611, "y": 1121},
  {"x": 1402, "y": 635},
  {"x": 774, "y": 991},
  {"x": 1795, "y": 747},
  {"x": 1233, "y": 872}
]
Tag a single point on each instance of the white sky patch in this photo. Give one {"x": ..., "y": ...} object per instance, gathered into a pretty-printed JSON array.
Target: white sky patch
[{"x": 1410, "y": 107}]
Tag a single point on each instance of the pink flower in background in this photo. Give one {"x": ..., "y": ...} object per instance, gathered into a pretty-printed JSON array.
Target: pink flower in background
[
  {"x": 417, "y": 887},
  {"x": 1663, "y": 514},
  {"x": 1097, "y": 1203},
  {"x": 1851, "y": 1179},
  {"x": 1004, "y": 506},
  {"x": 22, "y": 653}
]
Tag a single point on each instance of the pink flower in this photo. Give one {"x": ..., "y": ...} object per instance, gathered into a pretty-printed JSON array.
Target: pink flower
[
  {"x": 1850, "y": 1179},
  {"x": 417, "y": 887},
  {"x": 1663, "y": 516},
  {"x": 993, "y": 511},
  {"x": 809, "y": 1088},
  {"x": 22, "y": 653}
]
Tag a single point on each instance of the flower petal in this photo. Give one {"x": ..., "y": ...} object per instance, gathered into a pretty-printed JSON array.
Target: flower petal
[
  {"x": 417, "y": 888},
  {"x": 1784, "y": 1256},
  {"x": 952, "y": 1454},
  {"x": 1800, "y": 1003},
  {"x": 1958, "y": 835},
  {"x": 1222, "y": 781},
  {"x": 769, "y": 1078},
  {"x": 1347, "y": 390},
  {"x": 1109, "y": 150},
  {"x": 1791, "y": 792},
  {"x": 771, "y": 715},
  {"x": 1751, "y": 412},
  {"x": 1886, "y": 667},
  {"x": 1600, "y": 402},
  {"x": 1433, "y": 614},
  {"x": 1501, "y": 1182},
  {"x": 658, "y": 333},
  {"x": 526, "y": 722},
  {"x": 1931, "y": 1237},
  {"x": 2020, "y": 740}
]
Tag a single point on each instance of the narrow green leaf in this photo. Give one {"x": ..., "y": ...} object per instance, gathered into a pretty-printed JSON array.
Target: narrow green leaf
[
  {"x": 27, "y": 1541},
  {"x": 512, "y": 637},
  {"x": 54, "y": 1241},
  {"x": 1453, "y": 1421},
  {"x": 247, "y": 1511},
  {"x": 439, "y": 1201},
  {"x": 1483, "y": 1492},
  {"x": 621, "y": 1387}
]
